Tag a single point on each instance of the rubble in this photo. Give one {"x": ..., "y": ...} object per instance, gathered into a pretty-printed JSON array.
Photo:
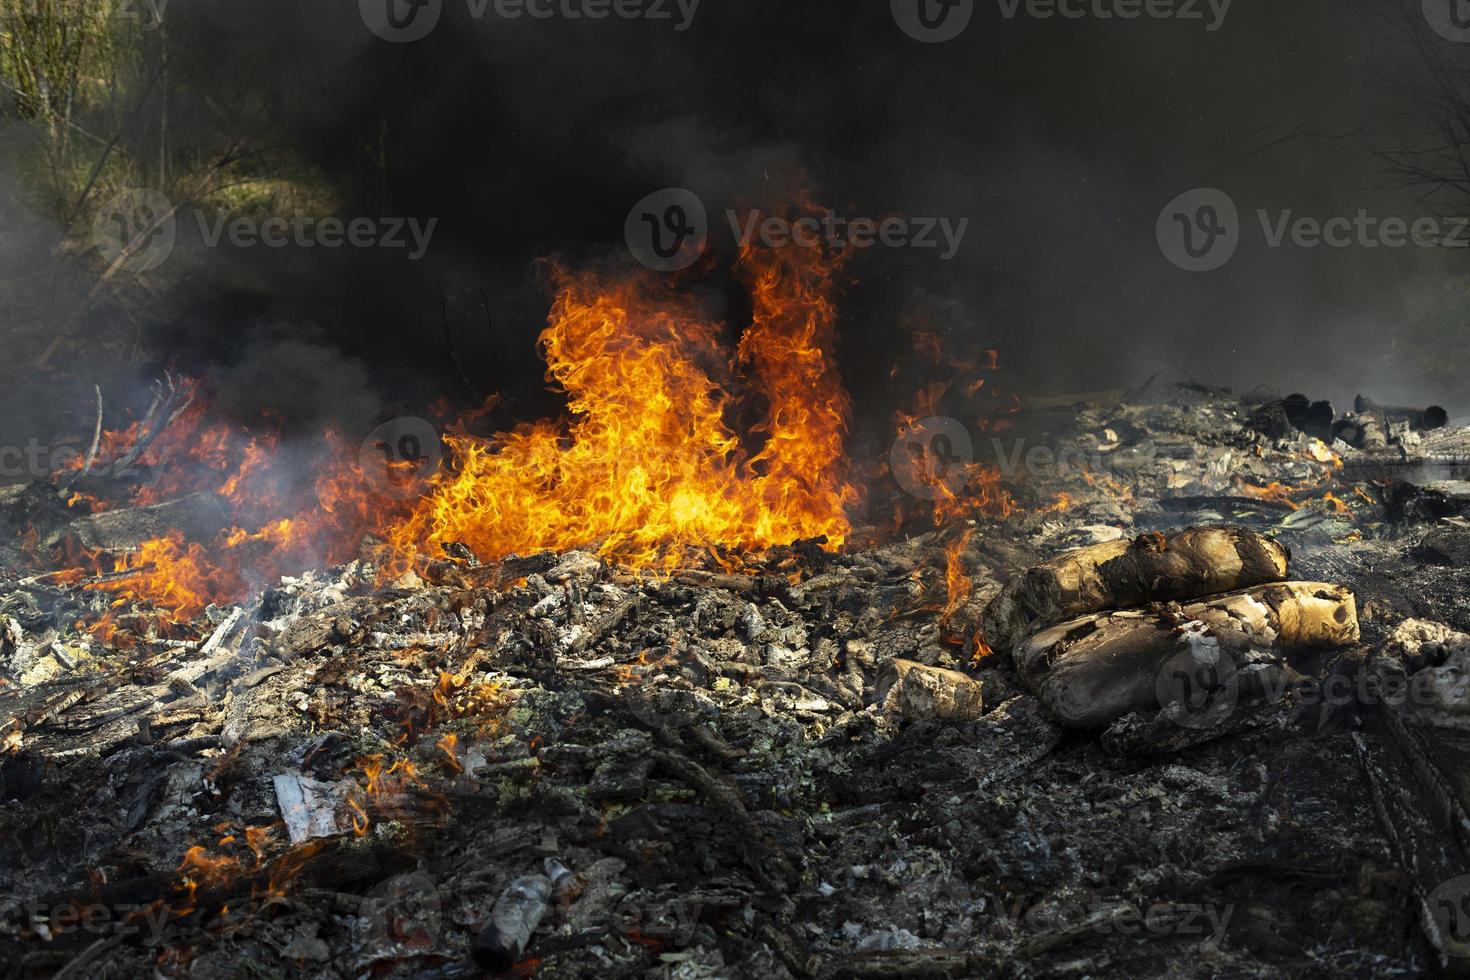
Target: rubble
[
  {"x": 1119, "y": 575},
  {"x": 782, "y": 770},
  {"x": 1092, "y": 670},
  {"x": 917, "y": 693}
]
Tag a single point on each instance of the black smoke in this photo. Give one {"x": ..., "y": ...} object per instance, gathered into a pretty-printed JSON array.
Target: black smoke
[{"x": 1059, "y": 140}]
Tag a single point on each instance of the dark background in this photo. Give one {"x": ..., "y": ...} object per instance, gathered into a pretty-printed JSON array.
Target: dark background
[{"x": 1059, "y": 140}]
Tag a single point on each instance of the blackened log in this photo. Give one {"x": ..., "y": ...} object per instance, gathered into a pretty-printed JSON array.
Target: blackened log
[
  {"x": 1296, "y": 407},
  {"x": 1120, "y": 574},
  {"x": 1419, "y": 419},
  {"x": 1092, "y": 670},
  {"x": 1319, "y": 419},
  {"x": 199, "y": 517}
]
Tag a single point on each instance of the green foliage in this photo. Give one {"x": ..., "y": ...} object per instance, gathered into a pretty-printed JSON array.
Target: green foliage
[{"x": 68, "y": 67}]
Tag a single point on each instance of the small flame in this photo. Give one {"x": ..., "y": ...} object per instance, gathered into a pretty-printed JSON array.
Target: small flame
[{"x": 958, "y": 584}]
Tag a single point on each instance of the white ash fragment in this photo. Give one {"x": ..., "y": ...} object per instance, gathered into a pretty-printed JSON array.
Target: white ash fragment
[
  {"x": 749, "y": 623},
  {"x": 309, "y": 806},
  {"x": 886, "y": 940},
  {"x": 575, "y": 565},
  {"x": 1422, "y": 641},
  {"x": 1424, "y": 672},
  {"x": 776, "y": 655},
  {"x": 184, "y": 782},
  {"x": 917, "y": 693},
  {"x": 1091, "y": 534},
  {"x": 553, "y": 603}
]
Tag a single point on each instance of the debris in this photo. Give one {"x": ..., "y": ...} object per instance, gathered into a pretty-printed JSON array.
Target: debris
[
  {"x": 726, "y": 790},
  {"x": 1096, "y": 668},
  {"x": 1118, "y": 575},
  {"x": 917, "y": 692},
  {"x": 517, "y": 913},
  {"x": 309, "y": 807}
]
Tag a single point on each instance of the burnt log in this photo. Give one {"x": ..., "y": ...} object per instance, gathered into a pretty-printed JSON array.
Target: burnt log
[
  {"x": 1092, "y": 670},
  {"x": 199, "y": 517},
  {"x": 1319, "y": 419},
  {"x": 1121, "y": 574},
  {"x": 1419, "y": 419},
  {"x": 1296, "y": 407}
]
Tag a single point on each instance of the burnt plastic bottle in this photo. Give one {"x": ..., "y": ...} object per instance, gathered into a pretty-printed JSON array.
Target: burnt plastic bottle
[{"x": 515, "y": 917}]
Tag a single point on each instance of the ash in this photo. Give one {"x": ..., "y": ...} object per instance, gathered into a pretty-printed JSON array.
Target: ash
[{"x": 343, "y": 776}]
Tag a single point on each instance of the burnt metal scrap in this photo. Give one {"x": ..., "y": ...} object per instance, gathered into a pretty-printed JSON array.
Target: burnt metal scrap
[{"x": 564, "y": 769}]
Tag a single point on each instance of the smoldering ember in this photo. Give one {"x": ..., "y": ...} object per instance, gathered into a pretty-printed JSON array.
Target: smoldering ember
[{"x": 598, "y": 588}]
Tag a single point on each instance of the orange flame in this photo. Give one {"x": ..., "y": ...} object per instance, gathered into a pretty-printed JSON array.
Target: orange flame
[
  {"x": 956, "y": 581},
  {"x": 648, "y": 468}
]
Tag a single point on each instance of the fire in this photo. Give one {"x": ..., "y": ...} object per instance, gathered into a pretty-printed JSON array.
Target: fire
[
  {"x": 675, "y": 446},
  {"x": 649, "y": 467},
  {"x": 981, "y": 652},
  {"x": 959, "y": 584},
  {"x": 449, "y": 746},
  {"x": 1064, "y": 503},
  {"x": 181, "y": 577},
  {"x": 1274, "y": 493}
]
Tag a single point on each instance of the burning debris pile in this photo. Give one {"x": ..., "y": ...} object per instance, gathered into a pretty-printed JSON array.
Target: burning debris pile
[
  {"x": 634, "y": 695},
  {"x": 811, "y": 766}
]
